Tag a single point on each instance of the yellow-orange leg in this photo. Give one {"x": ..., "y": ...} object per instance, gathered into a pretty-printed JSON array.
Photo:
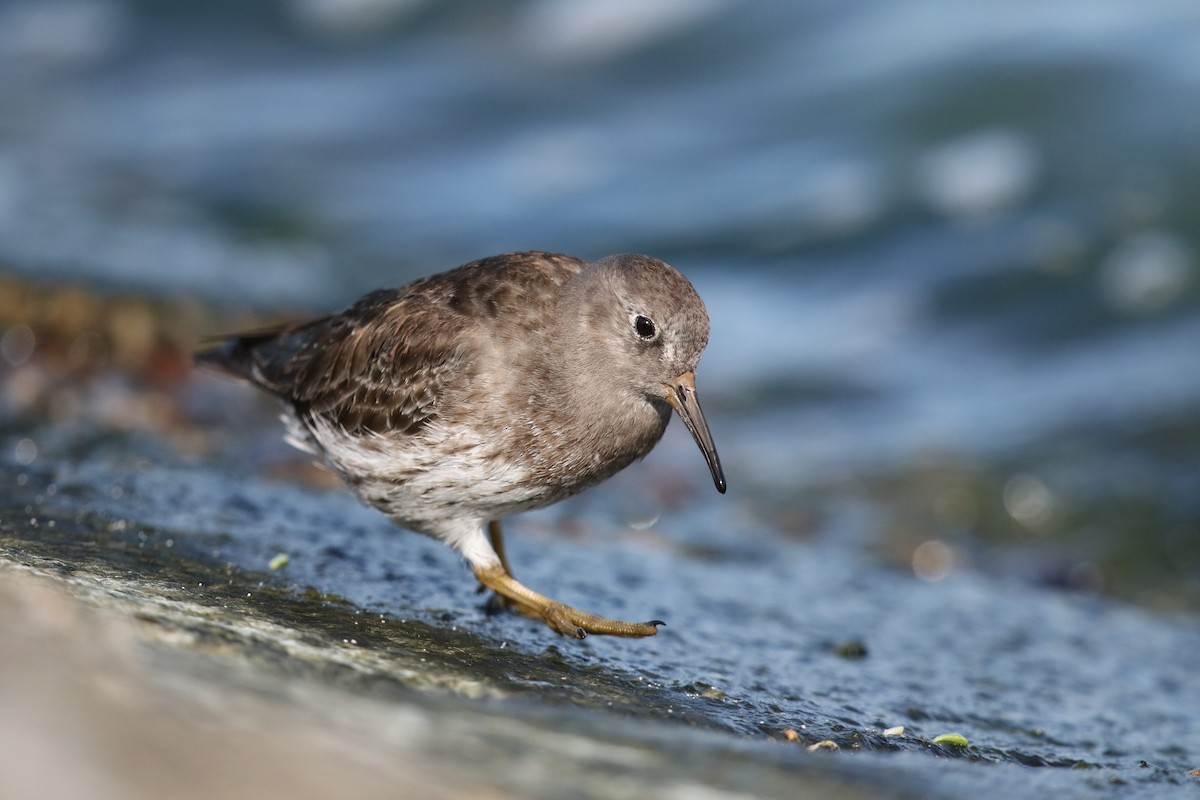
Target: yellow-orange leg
[
  {"x": 562, "y": 618},
  {"x": 496, "y": 537},
  {"x": 498, "y": 602}
]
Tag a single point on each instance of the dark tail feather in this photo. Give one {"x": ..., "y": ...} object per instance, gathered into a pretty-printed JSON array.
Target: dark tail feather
[
  {"x": 232, "y": 357},
  {"x": 244, "y": 355},
  {"x": 263, "y": 357}
]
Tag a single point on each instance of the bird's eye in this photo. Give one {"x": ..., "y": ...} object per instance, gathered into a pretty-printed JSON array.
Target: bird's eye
[{"x": 645, "y": 327}]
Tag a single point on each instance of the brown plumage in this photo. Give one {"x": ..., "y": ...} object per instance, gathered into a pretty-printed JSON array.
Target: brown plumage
[{"x": 500, "y": 386}]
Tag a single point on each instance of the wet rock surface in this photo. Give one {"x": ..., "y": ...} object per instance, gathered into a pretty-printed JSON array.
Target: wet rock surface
[{"x": 772, "y": 648}]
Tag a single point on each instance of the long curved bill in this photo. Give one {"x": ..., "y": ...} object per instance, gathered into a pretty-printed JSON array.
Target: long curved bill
[{"x": 681, "y": 394}]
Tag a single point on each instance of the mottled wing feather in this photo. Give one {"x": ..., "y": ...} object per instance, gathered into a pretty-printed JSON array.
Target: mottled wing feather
[
  {"x": 352, "y": 372},
  {"x": 385, "y": 364}
]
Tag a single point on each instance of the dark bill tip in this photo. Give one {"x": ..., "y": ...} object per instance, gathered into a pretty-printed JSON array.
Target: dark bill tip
[{"x": 681, "y": 394}]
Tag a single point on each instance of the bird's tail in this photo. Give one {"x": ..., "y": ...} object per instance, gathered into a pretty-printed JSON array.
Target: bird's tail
[
  {"x": 234, "y": 355},
  {"x": 263, "y": 357}
]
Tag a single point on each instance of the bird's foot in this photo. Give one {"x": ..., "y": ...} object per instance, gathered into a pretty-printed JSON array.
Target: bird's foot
[
  {"x": 578, "y": 624},
  {"x": 561, "y": 618}
]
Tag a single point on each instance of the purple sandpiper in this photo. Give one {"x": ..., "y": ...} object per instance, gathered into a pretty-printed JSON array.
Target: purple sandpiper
[{"x": 501, "y": 386}]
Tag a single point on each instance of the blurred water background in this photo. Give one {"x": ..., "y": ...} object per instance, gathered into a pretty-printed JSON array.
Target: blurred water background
[{"x": 951, "y": 252}]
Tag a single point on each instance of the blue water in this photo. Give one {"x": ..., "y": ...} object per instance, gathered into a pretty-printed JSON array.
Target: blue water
[{"x": 981, "y": 220}]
